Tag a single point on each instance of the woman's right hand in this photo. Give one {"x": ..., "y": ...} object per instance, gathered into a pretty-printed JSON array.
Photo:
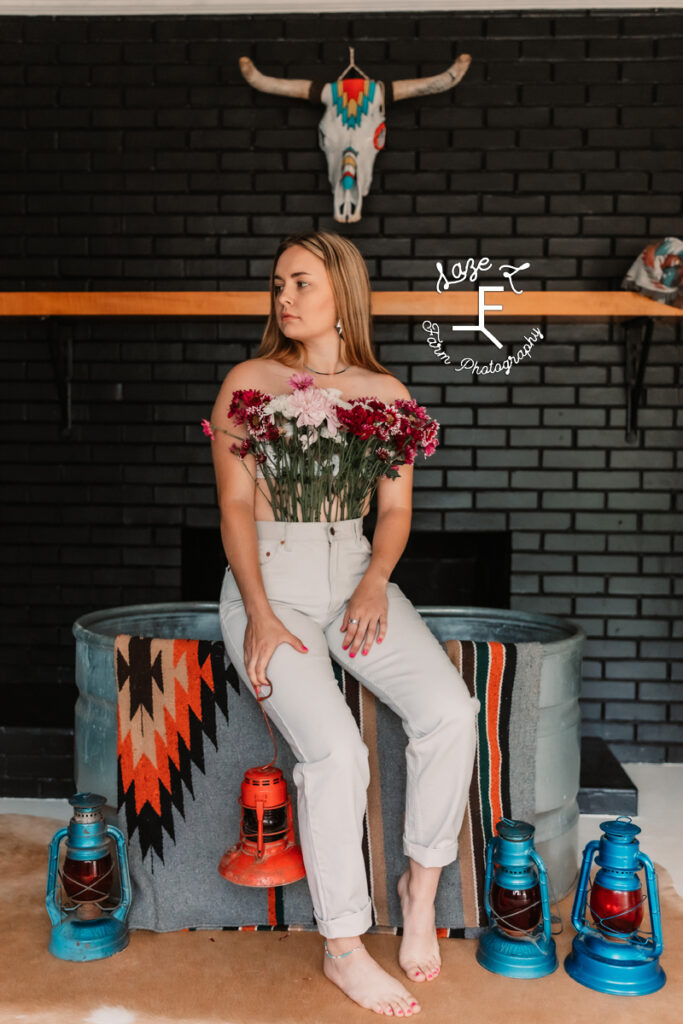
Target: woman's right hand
[{"x": 263, "y": 634}]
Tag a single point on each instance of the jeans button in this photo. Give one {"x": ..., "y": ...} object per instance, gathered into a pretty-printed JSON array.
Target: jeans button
[{"x": 332, "y": 529}]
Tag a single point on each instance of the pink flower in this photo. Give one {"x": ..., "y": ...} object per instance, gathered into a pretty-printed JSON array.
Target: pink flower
[
  {"x": 206, "y": 427},
  {"x": 301, "y": 381},
  {"x": 243, "y": 449},
  {"x": 313, "y": 406},
  {"x": 429, "y": 440}
]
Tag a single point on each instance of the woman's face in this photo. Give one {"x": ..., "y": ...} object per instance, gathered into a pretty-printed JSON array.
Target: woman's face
[{"x": 304, "y": 301}]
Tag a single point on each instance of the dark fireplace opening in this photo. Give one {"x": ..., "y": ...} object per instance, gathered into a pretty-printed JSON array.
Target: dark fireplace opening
[{"x": 438, "y": 568}]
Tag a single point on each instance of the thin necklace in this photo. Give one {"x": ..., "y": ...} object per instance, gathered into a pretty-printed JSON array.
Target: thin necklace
[{"x": 328, "y": 373}]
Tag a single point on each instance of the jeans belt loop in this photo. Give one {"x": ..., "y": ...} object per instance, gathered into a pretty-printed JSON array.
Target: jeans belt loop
[{"x": 288, "y": 536}]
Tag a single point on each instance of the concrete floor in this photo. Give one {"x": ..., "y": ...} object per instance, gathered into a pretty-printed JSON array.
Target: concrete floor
[{"x": 660, "y": 797}]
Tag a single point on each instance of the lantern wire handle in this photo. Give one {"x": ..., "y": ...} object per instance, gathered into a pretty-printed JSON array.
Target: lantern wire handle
[
  {"x": 260, "y": 702},
  {"x": 506, "y": 919},
  {"x": 85, "y": 888}
]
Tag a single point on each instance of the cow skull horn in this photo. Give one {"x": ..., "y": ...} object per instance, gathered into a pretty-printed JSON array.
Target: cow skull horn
[
  {"x": 407, "y": 87},
  {"x": 402, "y": 89},
  {"x": 298, "y": 87}
]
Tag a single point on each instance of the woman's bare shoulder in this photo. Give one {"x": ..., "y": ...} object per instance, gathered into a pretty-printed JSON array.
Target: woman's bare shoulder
[
  {"x": 387, "y": 387},
  {"x": 258, "y": 373}
]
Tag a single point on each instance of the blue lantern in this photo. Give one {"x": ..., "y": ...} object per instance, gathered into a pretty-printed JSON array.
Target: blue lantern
[
  {"x": 86, "y": 926},
  {"x": 518, "y": 942},
  {"x": 614, "y": 956}
]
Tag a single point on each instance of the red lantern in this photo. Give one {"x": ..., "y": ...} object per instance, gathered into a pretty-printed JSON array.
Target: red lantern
[{"x": 266, "y": 853}]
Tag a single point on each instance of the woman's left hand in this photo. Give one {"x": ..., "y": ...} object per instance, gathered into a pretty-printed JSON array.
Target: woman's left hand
[{"x": 368, "y": 604}]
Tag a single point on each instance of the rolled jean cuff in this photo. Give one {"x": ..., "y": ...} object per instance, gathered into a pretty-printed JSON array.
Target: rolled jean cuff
[
  {"x": 429, "y": 858},
  {"x": 347, "y": 926}
]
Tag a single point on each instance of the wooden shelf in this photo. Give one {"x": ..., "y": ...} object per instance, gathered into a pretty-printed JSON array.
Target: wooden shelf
[
  {"x": 532, "y": 305},
  {"x": 59, "y": 308}
]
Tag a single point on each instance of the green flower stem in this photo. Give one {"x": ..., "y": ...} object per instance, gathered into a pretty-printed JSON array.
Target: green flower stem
[{"x": 357, "y": 479}]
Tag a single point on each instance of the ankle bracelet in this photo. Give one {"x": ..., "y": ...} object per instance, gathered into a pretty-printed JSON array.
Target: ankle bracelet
[{"x": 338, "y": 956}]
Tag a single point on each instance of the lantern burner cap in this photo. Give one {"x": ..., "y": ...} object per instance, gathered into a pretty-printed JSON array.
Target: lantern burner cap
[
  {"x": 515, "y": 831},
  {"x": 620, "y": 830},
  {"x": 87, "y": 801},
  {"x": 87, "y": 807}
]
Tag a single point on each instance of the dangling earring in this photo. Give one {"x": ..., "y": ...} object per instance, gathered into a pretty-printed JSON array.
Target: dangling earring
[{"x": 339, "y": 328}]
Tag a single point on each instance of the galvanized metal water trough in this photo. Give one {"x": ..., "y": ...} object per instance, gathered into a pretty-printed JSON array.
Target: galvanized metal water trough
[{"x": 558, "y": 749}]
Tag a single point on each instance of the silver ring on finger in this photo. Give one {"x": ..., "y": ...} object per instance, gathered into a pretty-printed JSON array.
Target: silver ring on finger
[{"x": 354, "y": 620}]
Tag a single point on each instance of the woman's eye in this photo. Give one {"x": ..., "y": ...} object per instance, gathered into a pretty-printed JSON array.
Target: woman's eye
[{"x": 277, "y": 287}]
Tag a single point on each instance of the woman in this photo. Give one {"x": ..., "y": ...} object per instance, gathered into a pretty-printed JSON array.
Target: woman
[{"x": 297, "y": 592}]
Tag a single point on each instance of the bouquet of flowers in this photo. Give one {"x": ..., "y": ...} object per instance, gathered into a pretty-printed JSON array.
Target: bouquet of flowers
[{"x": 314, "y": 448}]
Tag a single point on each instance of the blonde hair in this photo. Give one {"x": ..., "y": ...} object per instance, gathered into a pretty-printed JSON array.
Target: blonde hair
[{"x": 350, "y": 285}]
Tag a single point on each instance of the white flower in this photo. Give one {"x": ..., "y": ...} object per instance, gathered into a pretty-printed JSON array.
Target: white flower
[
  {"x": 281, "y": 404},
  {"x": 333, "y": 433},
  {"x": 336, "y": 396}
]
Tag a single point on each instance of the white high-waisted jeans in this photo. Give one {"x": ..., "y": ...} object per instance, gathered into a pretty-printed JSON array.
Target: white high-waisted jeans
[{"x": 310, "y": 571}]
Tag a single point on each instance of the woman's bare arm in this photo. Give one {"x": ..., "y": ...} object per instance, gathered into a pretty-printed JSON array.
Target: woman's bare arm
[
  {"x": 394, "y": 509},
  {"x": 235, "y": 489}
]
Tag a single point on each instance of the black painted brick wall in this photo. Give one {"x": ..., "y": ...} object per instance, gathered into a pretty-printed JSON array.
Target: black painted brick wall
[{"x": 134, "y": 156}]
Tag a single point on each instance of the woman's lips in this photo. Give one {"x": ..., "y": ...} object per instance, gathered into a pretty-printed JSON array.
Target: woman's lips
[{"x": 289, "y": 316}]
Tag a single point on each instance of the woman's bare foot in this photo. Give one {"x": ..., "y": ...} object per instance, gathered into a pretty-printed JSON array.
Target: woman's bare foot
[
  {"x": 368, "y": 984},
  {"x": 419, "y": 954}
]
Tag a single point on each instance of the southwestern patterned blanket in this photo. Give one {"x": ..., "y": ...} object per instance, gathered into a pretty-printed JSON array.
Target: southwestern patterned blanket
[{"x": 187, "y": 731}]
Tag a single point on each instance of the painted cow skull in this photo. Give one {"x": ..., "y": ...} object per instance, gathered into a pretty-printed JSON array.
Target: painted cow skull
[{"x": 352, "y": 129}]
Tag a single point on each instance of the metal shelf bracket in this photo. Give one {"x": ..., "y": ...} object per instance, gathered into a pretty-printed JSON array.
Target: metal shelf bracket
[
  {"x": 638, "y": 335},
  {"x": 60, "y": 342}
]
